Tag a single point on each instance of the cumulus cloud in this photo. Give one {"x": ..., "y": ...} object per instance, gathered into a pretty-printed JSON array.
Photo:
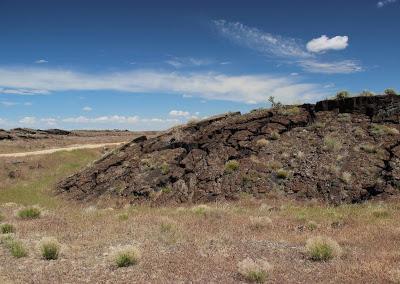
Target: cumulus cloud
[
  {"x": 289, "y": 50},
  {"x": 383, "y": 3},
  {"x": 206, "y": 85},
  {"x": 179, "y": 113},
  {"x": 324, "y": 43},
  {"x": 87, "y": 109}
]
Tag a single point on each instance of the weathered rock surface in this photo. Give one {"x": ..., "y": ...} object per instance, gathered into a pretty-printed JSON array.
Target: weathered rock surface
[{"x": 337, "y": 151}]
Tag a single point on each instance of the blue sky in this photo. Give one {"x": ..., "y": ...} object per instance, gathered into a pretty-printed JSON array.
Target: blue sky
[{"x": 144, "y": 65}]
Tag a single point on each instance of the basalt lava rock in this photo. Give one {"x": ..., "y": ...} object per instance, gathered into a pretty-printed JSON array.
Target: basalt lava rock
[{"x": 339, "y": 151}]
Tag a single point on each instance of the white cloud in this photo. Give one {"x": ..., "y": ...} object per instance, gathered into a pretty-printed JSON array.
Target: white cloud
[
  {"x": 261, "y": 41},
  {"x": 3, "y": 121},
  {"x": 206, "y": 85},
  {"x": 23, "y": 92},
  {"x": 28, "y": 120},
  {"x": 87, "y": 109},
  {"x": 179, "y": 113},
  {"x": 339, "y": 67},
  {"x": 383, "y": 3},
  {"x": 27, "y": 104},
  {"x": 324, "y": 43},
  {"x": 8, "y": 104},
  {"x": 103, "y": 119},
  {"x": 49, "y": 121},
  {"x": 41, "y": 61},
  {"x": 288, "y": 49},
  {"x": 180, "y": 62}
]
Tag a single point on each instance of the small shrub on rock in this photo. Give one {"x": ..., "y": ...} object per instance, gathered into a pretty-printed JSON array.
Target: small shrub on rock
[
  {"x": 275, "y": 135},
  {"x": 164, "y": 168},
  {"x": 342, "y": 95},
  {"x": 50, "y": 248},
  {"x": 262, "y": 142},
  {"x": 7, "y": 229},
  {"x": 381, "y": 130},
  {"x": 282, "y": 174},
  {"x": 322, "y": 249},
  {"x": 231, "y": 166},
  {"x": 390, "y": 92},
  {"x": 29, "y": 213},
  {"x": 254, "y": 270},
  {"x": 367, "y": 94},
  {"x": 127, "y": 256}
]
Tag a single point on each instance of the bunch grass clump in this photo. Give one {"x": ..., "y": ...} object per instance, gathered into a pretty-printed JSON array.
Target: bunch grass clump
[
  {"x": 382, "y": 130},
  {"x": 322, "y": 248},
  {"x": 260, "y": 222},
  {"x": 254, "y": 270},
  {"x": 262, "y": 142},
  {"x": 29, "y": 213},
  {"x": 332, "y": 144},
  {"x": 16, "y": 247},
  {"x": 50, "y": 248},
  {"x": 275, "y": 135},
  {"x": 282, "y": 174},
  {"x": 127, "y": 256},
  {"x": 7, "y": 228}
]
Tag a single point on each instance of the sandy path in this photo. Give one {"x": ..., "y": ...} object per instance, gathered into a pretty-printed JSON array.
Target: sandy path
[{"x": 50, "y": 151}]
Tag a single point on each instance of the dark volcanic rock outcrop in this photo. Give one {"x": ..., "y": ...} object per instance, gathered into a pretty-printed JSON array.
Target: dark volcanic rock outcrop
[{"x": 337, "y": 151}]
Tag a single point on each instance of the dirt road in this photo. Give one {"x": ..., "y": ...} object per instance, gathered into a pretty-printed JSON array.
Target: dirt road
[{"x": 50, "y": 151}]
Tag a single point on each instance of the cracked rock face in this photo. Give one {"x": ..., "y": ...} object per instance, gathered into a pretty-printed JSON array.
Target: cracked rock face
[{"x": 337, "y": 151}]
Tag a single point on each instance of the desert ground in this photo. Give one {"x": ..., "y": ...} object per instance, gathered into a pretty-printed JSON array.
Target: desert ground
[{"x": 191, "y": 243}]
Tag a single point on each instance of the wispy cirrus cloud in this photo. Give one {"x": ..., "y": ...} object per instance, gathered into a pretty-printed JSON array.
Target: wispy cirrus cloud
[
  {"x": 384, "y": 3},
  {"x": 263, "y": 42},
  {"x": 285, "y": 48},
  {"x": 23, "y": 92},
  {"x": 181, "y": 62},
  {"x": 207, "y": 85},
  {"x": 41, "y": 61}
]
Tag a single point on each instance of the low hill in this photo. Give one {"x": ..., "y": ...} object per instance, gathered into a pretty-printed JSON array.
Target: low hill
[{"x": 339, "y": 151}]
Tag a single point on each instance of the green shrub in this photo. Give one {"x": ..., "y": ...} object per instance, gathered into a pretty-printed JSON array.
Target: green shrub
[
  {"x": 231, "y": 166},
  {"x": 311, "y": 225},
  {"x": 282, "y": 174},
  {"x": 254, "y": 270},
  {"x": 29, "y": 213},
  {"x": 49, "y": 248},
  {"x": 390, "y": 92},
  {"x": 322, "y": 249},
  {"x": 127, "y": 256},
  {"x": 164, "y": 168},
  {"x": 7, "y": 228},
  {"x": 342, "y": 95}
]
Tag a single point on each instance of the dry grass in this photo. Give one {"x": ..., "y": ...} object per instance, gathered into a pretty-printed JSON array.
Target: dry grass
[
  {"x": 49, "y": 248},
  {"x": 254, "y": 270},
  {"x": 322, "y": 248},
  {"x": 201, "y": 244}
]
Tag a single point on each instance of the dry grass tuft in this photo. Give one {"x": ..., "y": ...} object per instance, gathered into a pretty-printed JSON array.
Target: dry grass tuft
[
  {"x": 260, "y": 222},
  {"x": 282, "y": 174},
  {"x": 332, "y": 144},
  {"x": 126, "y": 256},
  {"x": 262, "y": 142},
  {"x": 275, "y": 135},
  {"x": 322, "y": 248},
  {"x": 49, "y": 248},
  {"x": 381, "y": 130},
  {"x": 16, "y": 247},
  {"x": 254, "y": 270},
  {"x": 346, "y": 177},
  {"x": 29, "y": 213}
]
